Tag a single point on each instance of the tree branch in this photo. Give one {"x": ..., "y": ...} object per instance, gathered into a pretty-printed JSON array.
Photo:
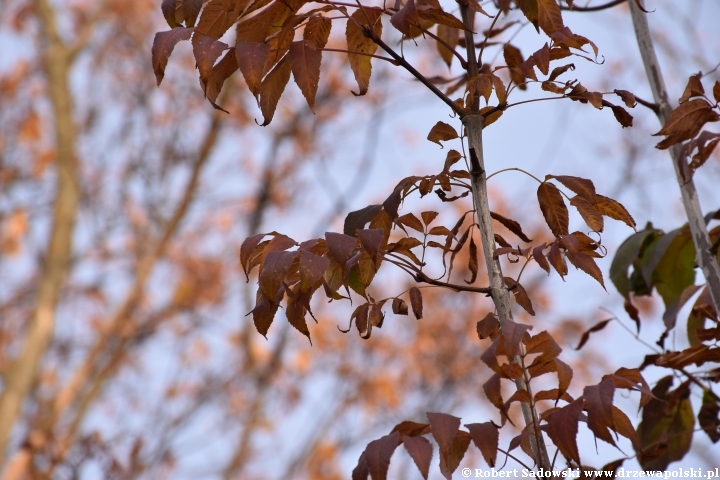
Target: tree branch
[
  {"x": 404, "y": 63},
  {"x": 698, "y": 228},
  {"x": 498, "y": 290},
  {"x": 56, "y": 61}
]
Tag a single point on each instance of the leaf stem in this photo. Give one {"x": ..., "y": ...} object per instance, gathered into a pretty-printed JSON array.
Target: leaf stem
[
  {"x": 379, "y": 57},
  {"x": 404, "y": 63},
  {"x": 594, "y": 8}
]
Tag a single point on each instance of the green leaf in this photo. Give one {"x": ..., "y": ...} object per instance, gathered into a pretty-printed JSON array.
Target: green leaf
[
  {"x": 676, "y": 269},
  {"x": 626, "y": 254}
]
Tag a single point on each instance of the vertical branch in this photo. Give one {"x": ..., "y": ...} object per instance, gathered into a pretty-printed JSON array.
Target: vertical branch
[
  {"x": 698, "y": 229},
  {"x": 473, "y": 123},
  {"x": 56, "y": 62}
]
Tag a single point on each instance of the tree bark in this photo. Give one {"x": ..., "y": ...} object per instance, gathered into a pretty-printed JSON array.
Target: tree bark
[
  {"x": 56, "y": 62},
  {"x": 473, "y": 124},
  {"x": 698, "y": 229}
]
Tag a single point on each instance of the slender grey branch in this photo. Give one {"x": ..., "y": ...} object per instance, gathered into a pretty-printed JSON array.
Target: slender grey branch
[
  {"x": 698, "y": 229},
  {"x": 473, "y": 123}
]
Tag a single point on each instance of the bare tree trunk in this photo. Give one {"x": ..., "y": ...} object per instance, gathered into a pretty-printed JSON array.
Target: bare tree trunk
[
  {"x": 698, "y": 229},
  {"x": 57, "y": 60},
  {"x": 473, "y": 123}
]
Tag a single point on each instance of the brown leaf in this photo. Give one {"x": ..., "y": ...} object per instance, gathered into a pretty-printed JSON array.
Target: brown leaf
[
  {"x": 276, "y": 267},
  {"x": 442, "y": 132},
  {"x": 475, "y": 7},
  {"x": 631, "y": 379},
  {"x": 716, "y": 91},
  {"x": 246, "y": 250},
  {"x": 408, "y": 428},
  {"x": 614, "y": 209},
  {"x": 708, "y": 417},
  {"x": 379, "y": 453},
  {"x": 399, "y": 307},
  {"x": 163, "y": 46},
  {"x": 411, "y": 221},
  {"x": 562, "y": 428},
  {"x": 376, "y": 317},
  {"x": 556, "y": 259},
  {"x": 697, "y": 355},
  {"x": 440, "y": 230},
  {"x": 450, "y": 461},
  {"x": 359, "y": 218},
  {"x": 627, "y": 98},
  {"x": 272, "y": 88},
  {"x": 667, "y": 427},
  {"x": 453, "y": 156},
  {"x": 317, "y": 31},
  {"x": 685, "y": 122},
  {"x": 444, "y": 430},
  {"x": 450, "y": 36},
  {"x": 542, "y": 59},
  {"x": 589, "y": 213},
  {"x": 488, "y": 327},
  {"x": 206, "y": 51},
  {"x": 493, "y": 393},
  {"x": 553, "y": 394},
  {"x": 557, "y": 71},
  {"x": 693, "y": 88},
  {"x": 362, "y": 45},
  {"x": 621, "y": 115},
  {"x": 436, "y": 15},
  {"x": 598, "y": 404},
  {"x": 521, "y": 296},
  {"x": 544, "y": 344},
  {"x": 406, "y": 19},
  {"x": 428, "y": 217},
  {"x": 220, "y": 72},
  {"x": 360, "y": 315},
  {"x": 564, "y": 374},
  {"x": 540, "y": 257},
  {"x": 295, "y": 312},
  {"x": 340, "y": 246},
  {"x": 371, "y": 240},
  {"x": 514, "y": 61},
  {"x": 416, "y": 302},
  {"x": 549, "y": 16},
  {"x": 553, "y": 208},
  {"x": 511, "y": 225},
  {"x": 485, "y": 437},
  {"x": 251, "y": 59},
  {"x": 311, "y": 268},
  {"x": 581, "y": 186},
  {"x": 704, "y": 151},
  {"x": 259, "y": 28},
  {"x": 587, "y": 264},
  {"x": 263, "y": 313},
  {"x": 216, "y": 19},
  {"x": 513, "y": 334},
  {"x": 305, "y": 62},
  {"x": 168, "y": 8},
  {"x": 499, "y": 87},
  {"x": 420, "y": 451},
  {"x": 502, "y": 242},
  {"x": 595, "y": 328},
  {"x": 624, "y": 427},
  {"x": 472, "y": 262},
  {"x": 361, "y": 470},
  {"x": 191, "y": 10}
]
